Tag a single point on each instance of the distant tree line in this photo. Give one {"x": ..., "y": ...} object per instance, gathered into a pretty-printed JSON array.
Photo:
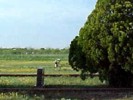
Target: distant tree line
[
  {"x": 26, "y": 51},
  {"x": 105, "y": 43}
]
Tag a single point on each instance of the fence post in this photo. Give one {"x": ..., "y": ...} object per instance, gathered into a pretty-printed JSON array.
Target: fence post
[{"x": 40, "y": 77}]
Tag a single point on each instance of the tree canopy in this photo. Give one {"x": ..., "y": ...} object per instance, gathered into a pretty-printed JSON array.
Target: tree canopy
[{"x": 106, "y": 40}]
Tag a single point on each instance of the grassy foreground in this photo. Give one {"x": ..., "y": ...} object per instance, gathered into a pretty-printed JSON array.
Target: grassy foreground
[
  {"x": 31, "y": 67},
  {"x": 18, "y": 64}
]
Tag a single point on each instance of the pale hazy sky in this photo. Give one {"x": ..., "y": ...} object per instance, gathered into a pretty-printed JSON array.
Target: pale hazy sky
[{"x": 42, "y": 23}]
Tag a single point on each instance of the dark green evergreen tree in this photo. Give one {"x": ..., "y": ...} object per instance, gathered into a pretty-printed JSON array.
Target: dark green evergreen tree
[
  {"x": 106, "y": 40},
  {"x": 90, "y": 37},
  {"x": 119, "y": 27},
  {"x": 77, "y": 58}
]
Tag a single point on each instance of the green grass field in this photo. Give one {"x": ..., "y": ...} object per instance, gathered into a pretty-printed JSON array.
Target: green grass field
[
  {"x": 29, "y": 64},
  {"x": 12, "y": 66}
]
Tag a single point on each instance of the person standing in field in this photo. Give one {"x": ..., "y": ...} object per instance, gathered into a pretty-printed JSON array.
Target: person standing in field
[{"x": 57, "y": 64}]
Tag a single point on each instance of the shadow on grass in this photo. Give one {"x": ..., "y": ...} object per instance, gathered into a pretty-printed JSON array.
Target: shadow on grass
[{"x": 32, "y": 92}]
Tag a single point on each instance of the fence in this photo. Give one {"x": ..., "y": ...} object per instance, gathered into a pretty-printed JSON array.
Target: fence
[{"x": 40, "y": 76}]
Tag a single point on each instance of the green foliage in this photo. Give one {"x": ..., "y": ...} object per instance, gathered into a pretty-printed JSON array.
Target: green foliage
[
  {"x": 120, "y": 49},
  {"x": 76, "y": 57},
  {"x": 107, "y": 42},
  {"x": 90, "y": 40},
  {"x": 33, "y": 51}
]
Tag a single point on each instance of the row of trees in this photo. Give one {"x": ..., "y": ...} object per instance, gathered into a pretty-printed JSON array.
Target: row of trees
[
  {"x": 105, "y": 43},
  {"x": 33, "y": 51}
]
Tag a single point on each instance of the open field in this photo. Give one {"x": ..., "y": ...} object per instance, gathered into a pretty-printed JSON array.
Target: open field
[
  {"x": 33, "y": 57},
  {"x": 29, "y": 64},
  {"x": 11, "y": 66},
  {"x": 31, "y": 67}
]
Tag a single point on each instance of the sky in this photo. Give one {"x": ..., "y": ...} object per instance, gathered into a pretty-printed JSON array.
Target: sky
[{"x": 42, "y": 23}]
